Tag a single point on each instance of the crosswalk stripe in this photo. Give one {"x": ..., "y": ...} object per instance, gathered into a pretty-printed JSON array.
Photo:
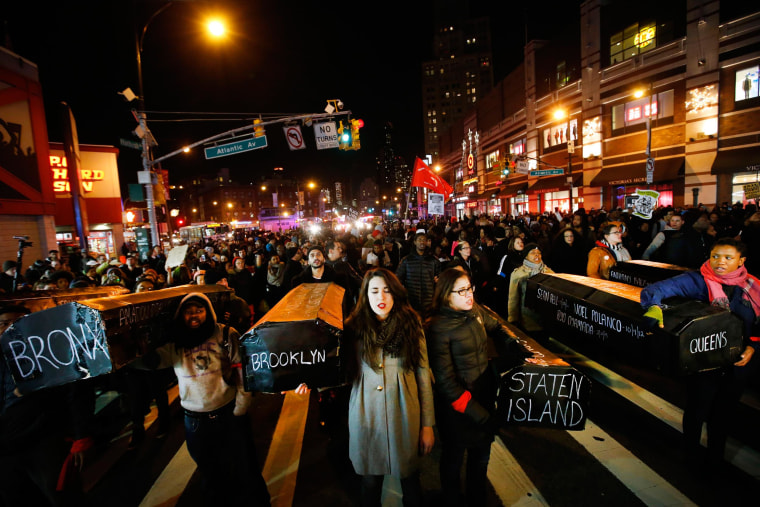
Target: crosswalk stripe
[
  {"x": 739, "y": 455},
  {"x": 281, "y": 466},
  {"x": 644, "y": 482},
  {"x": 512, "y": 485},
  {"x": 169, "y": 486}
]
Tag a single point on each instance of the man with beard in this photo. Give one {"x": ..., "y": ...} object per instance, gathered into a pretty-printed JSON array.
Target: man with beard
[
  {"x": 318, "y": 272},
  {"x": 218, "y": 433}
]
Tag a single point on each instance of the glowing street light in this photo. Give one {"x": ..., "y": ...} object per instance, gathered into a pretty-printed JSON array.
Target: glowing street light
[{"x": 216, "y": 28}]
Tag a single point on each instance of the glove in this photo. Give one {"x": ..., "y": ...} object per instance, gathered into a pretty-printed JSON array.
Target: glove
[{"x": 653, "y": 317}]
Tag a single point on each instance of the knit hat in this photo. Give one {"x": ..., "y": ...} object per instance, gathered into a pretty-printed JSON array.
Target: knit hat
[
  {"x": 529, "y": 247},
  {"x": 9, "y": 265}
]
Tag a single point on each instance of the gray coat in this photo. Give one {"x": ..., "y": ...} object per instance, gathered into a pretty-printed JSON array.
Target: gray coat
[{"x": 386, "y": 411}]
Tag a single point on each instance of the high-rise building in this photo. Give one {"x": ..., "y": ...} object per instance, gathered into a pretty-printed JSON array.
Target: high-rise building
[
  {"x": 460, "y": 73},
  {"x": 386, "y": 174}
]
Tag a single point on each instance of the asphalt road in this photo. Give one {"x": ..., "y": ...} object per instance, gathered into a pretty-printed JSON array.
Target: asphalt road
[{"x": 628, "y": 454}]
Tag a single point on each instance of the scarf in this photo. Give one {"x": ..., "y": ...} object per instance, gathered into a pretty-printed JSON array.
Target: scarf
[
  {"x": 619, "y": 251},
  {"x": 534, "y": 268},
  {"x": 388, "y": 340},
  {"x": 749, "y": 284}
]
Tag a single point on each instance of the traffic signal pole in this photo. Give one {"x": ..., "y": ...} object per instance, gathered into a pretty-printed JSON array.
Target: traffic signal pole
[{"x": 249, "y": 128}]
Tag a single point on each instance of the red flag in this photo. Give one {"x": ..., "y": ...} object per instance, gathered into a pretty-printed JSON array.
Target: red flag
[{"x": 424, "y": 177}]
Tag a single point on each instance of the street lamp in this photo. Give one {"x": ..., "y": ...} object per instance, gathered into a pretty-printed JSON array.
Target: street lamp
[{"x": 216, "y": 28}]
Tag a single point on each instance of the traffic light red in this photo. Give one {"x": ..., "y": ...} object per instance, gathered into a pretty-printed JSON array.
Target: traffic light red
[{"x": 355, "y": 126}]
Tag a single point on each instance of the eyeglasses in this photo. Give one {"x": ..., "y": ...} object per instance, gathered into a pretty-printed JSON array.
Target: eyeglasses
[
  {"x": 463, "y": 292},
  {"x": 615, "y": 232}
]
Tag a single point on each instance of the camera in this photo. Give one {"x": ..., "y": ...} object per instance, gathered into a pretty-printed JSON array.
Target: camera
[{"x": 22, "y": 241}]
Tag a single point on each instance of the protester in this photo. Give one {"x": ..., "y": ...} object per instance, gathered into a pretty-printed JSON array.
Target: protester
[
  {"x": 518, "y": 313},
  {"x": 609, "y": 250},
  {"x": 513, "y": 259},
  {"x": 566, "y": 254},
  {"x": 418, "y": 272},
  {"x": 465, "y": 385},
  {"x": 713, "y": 396},
  {"x": 390, "y": 415},
  {"x": 44, "y": 436},
  {"x": 218, "y": 433}
]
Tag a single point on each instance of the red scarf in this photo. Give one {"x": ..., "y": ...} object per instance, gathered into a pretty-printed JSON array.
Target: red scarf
[{"x": 749, "y": 284}]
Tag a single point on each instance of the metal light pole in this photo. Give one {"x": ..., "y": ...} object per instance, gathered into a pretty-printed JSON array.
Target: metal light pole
[
  {"x": 650, "y": 160},
  {"x": 146, "y": 137}
]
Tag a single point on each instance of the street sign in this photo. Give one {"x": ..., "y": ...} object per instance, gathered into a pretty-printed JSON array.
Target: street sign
[
  {"x": 650, "y": 171},
  {"x": 127, "y": 143},
  {"x": 248, "y": 144},
  {"x": 294, "y": 137},
  {"x": 326, "y": 135},
  {"x": 522, "y": 167},
  {"x": 547, "y": 172}
]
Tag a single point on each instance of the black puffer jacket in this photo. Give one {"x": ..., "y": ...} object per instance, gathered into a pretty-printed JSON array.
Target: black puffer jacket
[
  {"x": 459, "y": 358},
  {"x": 417, "y": 273}
]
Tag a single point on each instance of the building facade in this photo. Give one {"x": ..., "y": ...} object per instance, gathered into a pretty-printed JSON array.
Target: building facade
[{"x": 677, "y": 84}]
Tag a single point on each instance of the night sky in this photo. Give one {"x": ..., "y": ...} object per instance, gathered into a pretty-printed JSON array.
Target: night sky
[{"x": 280, "y": 58}]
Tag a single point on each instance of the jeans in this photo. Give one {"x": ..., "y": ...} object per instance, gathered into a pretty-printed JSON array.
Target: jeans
[
  {"x": 476, "y": 482},
  {"x": 372, "y": 490},
  {"x": 222, "y": 446}
]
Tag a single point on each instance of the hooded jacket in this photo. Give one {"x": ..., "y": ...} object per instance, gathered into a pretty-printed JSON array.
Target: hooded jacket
[{"x": 204, "y": 371}]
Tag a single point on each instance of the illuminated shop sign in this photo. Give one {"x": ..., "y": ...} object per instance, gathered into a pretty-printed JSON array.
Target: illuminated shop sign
[
  {"x": 61, "y": 175},
  {"x": 644, "y": 37}
]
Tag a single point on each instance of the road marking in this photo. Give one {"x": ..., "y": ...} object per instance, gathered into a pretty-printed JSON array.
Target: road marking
[
  {"x": 644, "y": 482},
  {"x": 172, "y": 482},
  {"x": 281, "y": 466},
  {"x": 739, "y": 455},
  {"x": 509, "y": 480}
]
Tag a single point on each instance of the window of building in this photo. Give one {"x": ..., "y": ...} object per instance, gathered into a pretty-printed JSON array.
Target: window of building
[
  {"x": 561, "y": 77},
  {"x": 632, "y": 41},
  {"x": 637, "y": 111},
  {"x": 737, "y": 190},
  {"x": 746, "y": 84}
]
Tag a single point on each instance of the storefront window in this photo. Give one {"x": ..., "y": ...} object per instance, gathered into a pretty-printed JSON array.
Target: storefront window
[{"x": 738, "y": 191}]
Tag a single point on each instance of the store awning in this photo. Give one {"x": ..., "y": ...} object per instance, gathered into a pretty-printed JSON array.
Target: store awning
[
  {"x": 487, "y": 195},
  {"x": 667, "y": 169},
  {"x": 513, "y": 189},
  {"x": 554, "y": 184},
  {"x": 738, "y": 160}
]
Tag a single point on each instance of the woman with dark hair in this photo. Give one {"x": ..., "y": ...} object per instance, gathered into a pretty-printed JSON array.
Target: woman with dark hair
[
  {"x": 465, "y": 385},
  {"x": 514, "y": 257},
  {"x": 609, "y": 250},
  {"x": 390, "y": 414},
  {"x": 469, "y": 261},
  {"x": 517, "y": 312},
  {"x": 567, "y": 255},
  {"x": 713, "y": 396}
]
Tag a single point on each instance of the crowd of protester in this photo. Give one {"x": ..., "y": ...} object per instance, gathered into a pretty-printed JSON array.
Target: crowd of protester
[{"x": 493, "y": 256}]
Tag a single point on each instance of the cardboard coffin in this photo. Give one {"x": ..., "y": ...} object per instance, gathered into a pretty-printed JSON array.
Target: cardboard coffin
[
  {"x": 297, "y": 341},
  {"x": 642, "y": 273},
  {"x": 696, "y": 336},
  {"x": 37, "y": 300},
  {"x": 92, "y": 337},
  {"x": 543, "y": 391}
]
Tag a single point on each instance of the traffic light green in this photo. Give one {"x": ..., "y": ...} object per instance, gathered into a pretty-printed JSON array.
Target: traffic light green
[{"x": 344, "y": 137}]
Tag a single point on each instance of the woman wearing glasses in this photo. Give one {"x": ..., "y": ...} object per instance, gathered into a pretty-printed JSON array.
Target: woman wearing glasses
[
  {"x": 609, "y": 250},
  {"x": 464, "y": 257},
  {"x": 465, "y": 385}
]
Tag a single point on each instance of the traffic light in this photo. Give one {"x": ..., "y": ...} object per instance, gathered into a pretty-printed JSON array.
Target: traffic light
[
  {"x": 180, "y": 222},
  {"x": 355, "y": 126},
  {"x": 258, "y": 129},
  {"x": 344, "y": 137}
]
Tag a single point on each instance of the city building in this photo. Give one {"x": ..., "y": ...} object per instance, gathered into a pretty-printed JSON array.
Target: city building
[
  {"x": 460, "y": 72},
  {"x": 575, "y": 124}
]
